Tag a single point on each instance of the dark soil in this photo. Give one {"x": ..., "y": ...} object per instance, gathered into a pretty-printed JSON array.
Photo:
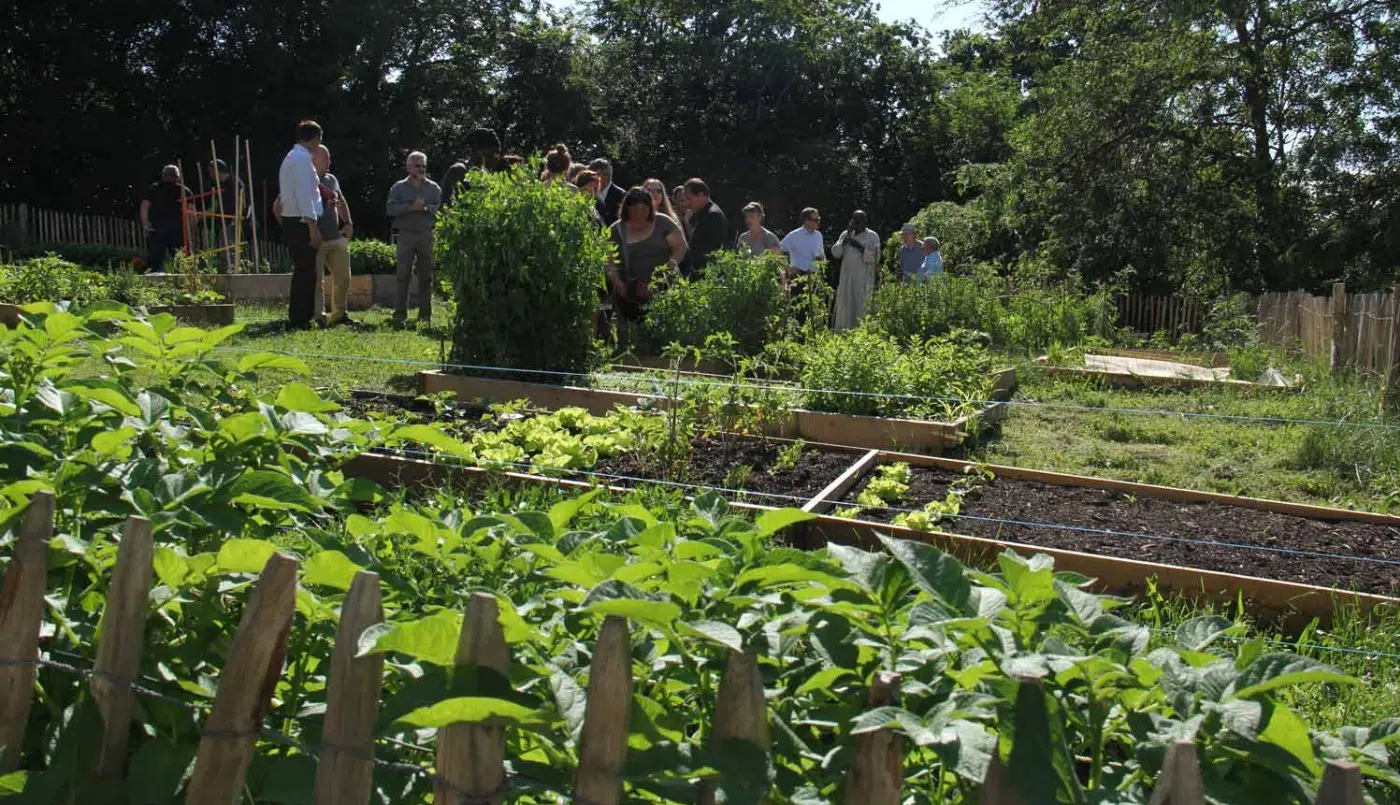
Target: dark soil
[
  {"x": 361, "y": 404},
  {"x": 1031, "y": 502},
  {"x": 713, "y": 464}
]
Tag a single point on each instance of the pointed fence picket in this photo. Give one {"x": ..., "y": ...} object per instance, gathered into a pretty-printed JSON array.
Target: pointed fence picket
[{"x": 470, "y": 757}]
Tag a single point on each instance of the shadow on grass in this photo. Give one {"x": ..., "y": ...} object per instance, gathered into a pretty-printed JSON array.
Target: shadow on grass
[{"x": 402, "y": 383}]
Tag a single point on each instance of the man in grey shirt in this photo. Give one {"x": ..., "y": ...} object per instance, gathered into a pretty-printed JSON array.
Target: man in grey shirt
[{"x": 413, "y": 205}]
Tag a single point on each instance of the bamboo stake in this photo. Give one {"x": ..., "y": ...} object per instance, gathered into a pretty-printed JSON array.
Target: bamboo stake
[
  {"x": 245, "y": 688},
  {"x": 237, "y": 207},
  {"x": 607, "y": 717},
  {"x": 344, "y": 776},
  {"x": 877, "y": 775},
  {"x": 1392, "y": 378},
  {"x": 21, "y": 611},
  {"x": 1339, "y": 324},
  {"x": 220, "y": 222},
  {"x": 471, "y": 757},
  {"x": 253, "y": 219},
  {"x": 120, "y": 643}
]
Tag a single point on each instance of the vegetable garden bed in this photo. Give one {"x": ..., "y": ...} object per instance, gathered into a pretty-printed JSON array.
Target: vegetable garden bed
[
  {"x": 1132, "y": 369},
  {"x": 1186, "y": 528},
  {"x": 205, "y": 315},
  {"x": 815, "y": 426},
  {"x": 1125, "y": 572}
]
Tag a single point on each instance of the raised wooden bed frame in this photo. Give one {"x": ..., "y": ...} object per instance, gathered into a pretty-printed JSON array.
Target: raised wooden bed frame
[
  {"x": 813, "y": 426},
  {"x": 1297, "y": 602}
]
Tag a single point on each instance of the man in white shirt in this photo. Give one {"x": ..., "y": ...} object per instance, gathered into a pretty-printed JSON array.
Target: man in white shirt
[
  {"x": 804, "y": 245},
  {"x": 299, "y": 188}
]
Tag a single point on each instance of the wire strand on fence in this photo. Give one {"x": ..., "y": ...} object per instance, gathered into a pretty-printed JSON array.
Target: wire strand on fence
[
  {"x": 634, "y": 377},
  {"x": 451, "y": 461}
]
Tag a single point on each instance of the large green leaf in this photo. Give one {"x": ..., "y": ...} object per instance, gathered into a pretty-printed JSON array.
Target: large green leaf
[
  {"x": 269, "y": 360},
  {"x": 564, "y": 512},
  {"x": 245, "y": 555},
  {"x": 13, "y": 783},
  {"x": 271, "y": 490},
  {"x": 1039, "y": 761},
  {"x": 613, "y": 597},
  {"x": 432, "y": 639},
  {"x": 1197, "y": 634},
  {"x": 721, "y": 634},
  {"x": 934, "y": 571},
  {"x": 431, "y": 436},
  {"x": 110, "y": 396},
  {"x": 1085, "y": 606},
  {"x": 330, "y": 569},
  {"x": 570, "y": 698},
  {"x": 771, "y": 522},
  {"x": 114, "y": 443},
  {"x": 1273, "y": 671},
  {"x": 470, "y": 710}
]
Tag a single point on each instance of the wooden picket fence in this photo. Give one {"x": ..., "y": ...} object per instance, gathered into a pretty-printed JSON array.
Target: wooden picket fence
[
  {"x": 1355, "y": 331},
  {"x": 22, "y": 226},
  {"x": 470, "y": 757},
  {"x": 1173, "y": 314}
]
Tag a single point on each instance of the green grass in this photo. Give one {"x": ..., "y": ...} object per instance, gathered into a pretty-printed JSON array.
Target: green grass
[
  {"x": 1336, "y": 465},
  {"x": 370, "y": 354}
]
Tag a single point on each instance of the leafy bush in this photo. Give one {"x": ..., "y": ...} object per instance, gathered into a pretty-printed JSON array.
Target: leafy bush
[
  {"x": 738, "y": 294},
  {"x": 525, "y": 261},
  {"x": 88, "y": 255},
  {"x": 1017, "y": 317},
  {"x": 1229, "y": 323},
  {"x": 864, "y": 371},
  {"x": 373, "y": 257},
  {"x": 964, "y": 234},
  {"x": 51, "y": 279}
]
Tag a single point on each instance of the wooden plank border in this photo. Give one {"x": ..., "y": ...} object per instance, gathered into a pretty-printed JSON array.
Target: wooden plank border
[
  {"x": 854, "y": 431},
  {"x": 844, "y": 482}
]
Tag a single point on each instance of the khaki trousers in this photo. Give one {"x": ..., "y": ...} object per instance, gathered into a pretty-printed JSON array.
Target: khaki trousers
[{"x": 334, "y": 257}]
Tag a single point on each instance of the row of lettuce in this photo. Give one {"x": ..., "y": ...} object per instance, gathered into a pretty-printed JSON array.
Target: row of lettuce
[{"x": 120, "y": 415}]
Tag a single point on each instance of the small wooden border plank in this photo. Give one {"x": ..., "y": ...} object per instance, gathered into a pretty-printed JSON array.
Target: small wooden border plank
[{"x": 844, "y": 482}]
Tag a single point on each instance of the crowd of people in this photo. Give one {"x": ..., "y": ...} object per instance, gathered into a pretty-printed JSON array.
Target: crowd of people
[{"x": 653, "y": 230}]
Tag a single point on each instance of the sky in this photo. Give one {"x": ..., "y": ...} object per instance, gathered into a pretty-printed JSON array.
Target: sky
[{"x": 935, "y": 15}]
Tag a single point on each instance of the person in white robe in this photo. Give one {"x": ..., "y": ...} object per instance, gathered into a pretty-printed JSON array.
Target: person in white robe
[{"x": 858, "y": 249}]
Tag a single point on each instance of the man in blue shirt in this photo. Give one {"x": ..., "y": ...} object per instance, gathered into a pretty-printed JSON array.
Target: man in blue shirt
[
  {"x": 803, "y": 245},
  {"x": 933, "y": 261},
  {"x": 911, "y": 254}
]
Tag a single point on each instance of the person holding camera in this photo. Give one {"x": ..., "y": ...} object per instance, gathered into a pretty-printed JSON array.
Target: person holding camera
[{"x": 858, "y": 249}]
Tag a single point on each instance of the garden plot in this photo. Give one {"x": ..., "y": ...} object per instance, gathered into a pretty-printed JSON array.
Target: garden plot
[
  {"x": 1130, "y": 369},
  {"x": 1266, "y": 539}
]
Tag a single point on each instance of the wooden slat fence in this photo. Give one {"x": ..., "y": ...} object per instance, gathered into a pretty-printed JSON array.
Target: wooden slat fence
[
  {"x": 1173, "y": 314},
  {"x": 22, "y": 225},
  {"x": 1355, "y": 331},
  {"x": 470, "y": 762}
]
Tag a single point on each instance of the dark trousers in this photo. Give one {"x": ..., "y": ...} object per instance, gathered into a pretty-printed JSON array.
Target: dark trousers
[
  {"x": 164, "y": 238},
  {"x": 302, "y": 305}
]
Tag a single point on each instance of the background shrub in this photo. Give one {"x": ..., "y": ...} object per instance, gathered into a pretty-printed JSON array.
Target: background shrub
[
  {"x": 525, "y": 263},
  {"x": 99, "y": 258},
  {"x": 738, "y": 294},
  {"x": 372, "y": 257},
  {"x": 50, "y": 278}
]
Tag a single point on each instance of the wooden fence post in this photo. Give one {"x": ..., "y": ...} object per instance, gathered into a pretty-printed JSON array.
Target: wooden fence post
[
  {"x": 607, "y": 717},
  {"x": 471, "y": 757},
  {"x": 245, "y": 687},
  {"x": 996, "y": 788},
  {"x": 345, "y": 773},
  {"x": 1392, "y": 375},
  {"x": 22, "y": 231},
  {"x": 877, "y": 775},
  {"x": 1341, "y": 785},
  {"x": 21, "y": 611},
  {"x": 741, "y": 714},
  {"x": 1180, "y": 782},
  {"x": 121, "y": 640},
  {"x": 1339, "y": 325}
]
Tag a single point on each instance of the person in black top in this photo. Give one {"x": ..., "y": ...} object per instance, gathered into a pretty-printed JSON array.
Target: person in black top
[
  {"x": 162, "y": 217},
  {"x": 609, "y": 195},
  {"x": 709, "y": 228}
]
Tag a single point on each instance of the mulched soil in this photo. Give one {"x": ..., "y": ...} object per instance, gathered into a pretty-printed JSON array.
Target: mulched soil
[
  {"x": 713, "y": 461},
  {"x": 1028, "y": 501}
]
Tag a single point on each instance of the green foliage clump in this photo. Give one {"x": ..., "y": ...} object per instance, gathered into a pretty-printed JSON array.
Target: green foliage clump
[
  {"x": 1020, "y": 316},
  {"x": 50, "y": 278},
  {"x": 525, "y": 264},
  {"x": 370, "y": 256},
  {"x": 867, "y": 372},
  {"x": 964, "y": 233},
  {"x": 737, "y": 294},
  {"x": 88, "y": 255}
]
